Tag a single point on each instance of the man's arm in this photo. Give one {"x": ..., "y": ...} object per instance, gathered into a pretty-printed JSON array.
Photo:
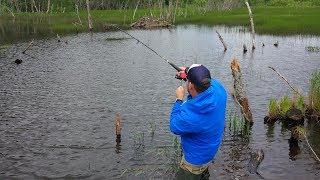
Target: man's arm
[{"x": 179, "y": 123}]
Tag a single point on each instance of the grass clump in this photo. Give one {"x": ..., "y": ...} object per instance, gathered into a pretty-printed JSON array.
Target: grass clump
[
  {"x": 300, "y": 104},
  {"x": 284, "y": 106},
  {"x": 314, "y": 93},
  {"x": 238, "y": 126},
  {"x": 273, "y": 108}
]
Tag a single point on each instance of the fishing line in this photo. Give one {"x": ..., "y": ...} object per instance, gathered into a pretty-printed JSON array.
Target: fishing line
[{"x": 173, "y": 65}]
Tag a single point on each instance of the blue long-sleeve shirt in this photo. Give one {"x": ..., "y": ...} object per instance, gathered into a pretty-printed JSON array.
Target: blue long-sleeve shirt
[{"x": 200, "y": 123}]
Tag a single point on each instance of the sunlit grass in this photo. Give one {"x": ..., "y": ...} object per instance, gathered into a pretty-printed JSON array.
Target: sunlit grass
[
  {"x": 268, "y": 20},
  {"x": 273, "y": 108},
  {"x": 284, "y": 105},
  {"x": 314, "y": 93}
]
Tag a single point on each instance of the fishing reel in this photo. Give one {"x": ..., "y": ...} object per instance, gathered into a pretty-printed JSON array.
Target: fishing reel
[{"x": 182, "y": 74}]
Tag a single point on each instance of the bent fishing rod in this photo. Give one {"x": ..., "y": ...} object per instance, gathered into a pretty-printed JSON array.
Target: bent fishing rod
[{"x": 173, "y": 65}]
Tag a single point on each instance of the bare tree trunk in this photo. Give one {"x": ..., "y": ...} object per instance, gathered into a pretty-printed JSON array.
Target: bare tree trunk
[
  {"x": 77, "y": 10},
  {"x": 252, "y": 26},
  {"x": 135, "y": 10},
  {"x": 89, "y": 16},
  {"x": 175, "y": 11},
  {"x": 239, "y": 94},
  {"x": 169, "y": 12},
  {"x": 25, "y": 3},
  {"x": 222, "y": 41},
  {"x": 48, "y": 6},
  {"x": 33, "y": 3}
]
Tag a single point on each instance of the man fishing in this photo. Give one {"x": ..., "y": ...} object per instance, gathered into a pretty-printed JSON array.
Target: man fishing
[{"x": 199, "y": 121}]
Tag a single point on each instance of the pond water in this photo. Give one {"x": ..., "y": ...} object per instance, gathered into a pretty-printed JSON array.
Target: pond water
[{"x": 57, "y": 108}]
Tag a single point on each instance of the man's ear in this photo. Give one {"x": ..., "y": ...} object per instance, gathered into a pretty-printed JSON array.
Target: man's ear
[{"x": 191, "y": 86}]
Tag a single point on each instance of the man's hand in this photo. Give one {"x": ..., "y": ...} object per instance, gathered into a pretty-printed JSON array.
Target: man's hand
[
  {"x": 180, "y": 93},
  {"x": 182, "y": 74}
]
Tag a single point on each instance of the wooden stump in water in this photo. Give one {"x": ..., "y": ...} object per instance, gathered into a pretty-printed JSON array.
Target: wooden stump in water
[
  {"x": 118, "y": 132},
  {"x": 18, "y": 61},
  {"x": 222, "y": 41},
  {"x": 244, "y": 49},
  {"x": 239, "y": 92}
]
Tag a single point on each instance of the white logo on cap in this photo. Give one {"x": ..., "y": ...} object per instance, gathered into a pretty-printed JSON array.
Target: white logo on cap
[{"x": 193, "y": 65}]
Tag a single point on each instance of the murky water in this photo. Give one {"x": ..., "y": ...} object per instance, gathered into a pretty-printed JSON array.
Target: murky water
[{"x": 57, "y": 108}]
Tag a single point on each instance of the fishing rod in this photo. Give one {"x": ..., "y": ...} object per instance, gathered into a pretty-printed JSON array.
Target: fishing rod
[{"x": 173, "y": 65}]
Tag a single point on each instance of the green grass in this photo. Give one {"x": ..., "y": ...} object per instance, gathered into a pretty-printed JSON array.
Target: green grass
[
  {"x": 314, "y": 93},
  {"x": 273, "y": 108},
  {"x": 284, "y": 105},
  {"x": 238, "y": 126},
  {"x": 268, "y": 20}
]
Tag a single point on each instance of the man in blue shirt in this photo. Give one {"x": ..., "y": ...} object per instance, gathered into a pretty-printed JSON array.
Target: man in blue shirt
[{"x": 199, "y": 121}]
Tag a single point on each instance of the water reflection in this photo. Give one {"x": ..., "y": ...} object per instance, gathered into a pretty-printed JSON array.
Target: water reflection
[
  {"x": 294, "y": 149},
  {"x": 67, "y": 88}
]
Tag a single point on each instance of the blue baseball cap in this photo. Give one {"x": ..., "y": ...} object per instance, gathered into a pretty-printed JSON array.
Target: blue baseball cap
[{"x": 199, "y": 75}]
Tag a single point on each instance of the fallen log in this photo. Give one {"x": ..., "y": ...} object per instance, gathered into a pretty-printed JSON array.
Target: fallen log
[
  {"x": 222, "y": 41},
  {"x": 28, "y": 47},
  {"x": 239, "y": 93},
  {"x": 150, "y": 23},
  {"x": 252, "y": 25}
]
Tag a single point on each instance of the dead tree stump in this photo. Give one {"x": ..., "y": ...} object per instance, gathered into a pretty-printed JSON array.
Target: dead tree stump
[
  {"x": 252, "y": 25},
  {"x": 222, "y": 41},
  {"x": 118, "y": 128},
  {"x": 239, "y": 92}
]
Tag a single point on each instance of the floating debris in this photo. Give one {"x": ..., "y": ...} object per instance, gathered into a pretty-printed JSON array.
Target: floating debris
[
  {"x": 117, "y": 38},
  {"x": 149, "y": 23},
  {"x": 313, "y": 49}
]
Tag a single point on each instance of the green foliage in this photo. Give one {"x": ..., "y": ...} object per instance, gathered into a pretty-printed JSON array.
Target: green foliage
[
  {"x": 300, "y": 104},
  {"x": 284, "y": 106},
  {"x": 238, "y": 126},
  {"x": 273, "y": 108},
  {"x": 314, "y": 94},
  {"x": 293, "y": 3}
]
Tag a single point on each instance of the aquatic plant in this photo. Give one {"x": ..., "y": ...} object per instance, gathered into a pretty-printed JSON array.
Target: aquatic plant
[
  {"x": 300, "y": 104},
  {"x": 238, "y": 126},
  {"x": 314, "y": 92},
  {"x": 284, "y": 106},
  {"x": 152, "y": 128},
  {"x": 313, "y": 48},
  {"x": 273, "y": 108}
]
